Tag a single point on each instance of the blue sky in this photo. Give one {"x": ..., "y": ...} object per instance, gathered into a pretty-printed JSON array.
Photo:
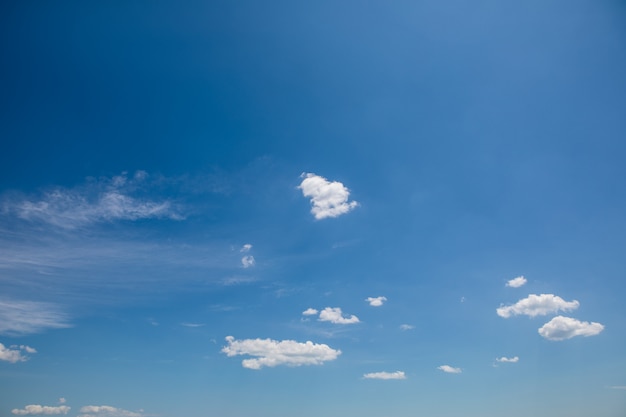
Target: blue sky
[{"x": 328, "y": 208}]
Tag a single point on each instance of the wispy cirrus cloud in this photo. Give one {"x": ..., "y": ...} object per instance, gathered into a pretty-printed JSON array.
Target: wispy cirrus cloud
[
  {"x": 15, "y": 353},
  {"x": 516, "y": 282},
  {"x": 562, "y": 328},
  {"x": 385, "y": 375},
  {"x": 537, "y": 305},
  {"x": 328, "y": 199},
  {"x": 26, "y": 317},
  {"x": 34, "y": 409},
  {"x": 270, "y": 353}
]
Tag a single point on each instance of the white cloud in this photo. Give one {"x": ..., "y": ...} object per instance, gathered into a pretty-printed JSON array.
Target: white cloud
[
  {"x": 40, "y": 409},
  {"x": 97, "y": 201},
  {"x": 329, "y": 199},
  {"x": 449, "y": 369},
  {"x": 246, "y": 248},
  {"x": 192, "y": 324},
  {"x": 335, "y": 315},
  {"x": 407, "y": 327},
  {"x": 24, "y": 317},
  {"x": 106, "y": 411},
  {"x": 248, "y": 261},
  {"x": 13, "y": 354},
  {"x": 272, "y": 353},
  {"x": 62, "y": 400},
  {"x": 385, "y": 375},
  {"x": 516, "y": 282},
  {"x": 537, "y": 305},
  {"x": 561, "y": 328},
  {"x": 376, "y": 301},
  {"x": 621, "y": 387},
  {"x": 309, "y": 312},
  {"x": 504, "y": 359}
]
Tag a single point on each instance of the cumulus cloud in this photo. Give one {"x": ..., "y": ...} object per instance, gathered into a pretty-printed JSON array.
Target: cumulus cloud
[
  {"x": 246, "y": 248},
  {"x": 309, "y": 312},
  {"x": 406, "y": 327},
  {"x": 328, "y": 199},
  {"x": 268, "y": 352},
  {"x": 25, "y": 317},
  {"x": 537, "y": 305},
  {"x": 516, "y": 282},
  {"x": 14, "y": 353},
  {"x": 376, "y": 301},
  {"x": 449, "y": 369},
  {"x": 248, "y": 261},
  {"x": 335, "y": 315},
  {"x": 504, "y": 359},
  {"x": 561, "y": 328},
  {"x": 30, "y": 410},
  {"x": 105, "y": 200},
  {"x": 107, "y": 411},
  {"x": 385, "y": 375}
]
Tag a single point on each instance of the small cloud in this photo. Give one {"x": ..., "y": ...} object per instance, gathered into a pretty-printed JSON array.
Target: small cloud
[
  {"x": 107, "y": 411},
  {"x": 31, "y": 410},
  {"x": 309, "y": 312},
  {"x": 516, "y": 282},
  {"x": 537, "y": 305},
  {"x": 462, "y": 299},
  {"x": 272, "y": 353},
  {"x": 248, "y": 261},
  {"x": 62, "y": 400},
  {"x": 504, "y": 359},
  {"x": 385, "y": 375},
  {"x": 329, "y": 199},
  {"x": 335, "y": 315},
  {"x": 449, "y": 369},
  {"x": 14, "y": 353},
  {"x": 28, "y": 349},
  {"x": 406, "y": 327},
  {"x": 562, "y": 328},
  {"x": 192, "y": 324},
  {"x": 376, "y": 301},
  {"x": 246, "y": 248}
]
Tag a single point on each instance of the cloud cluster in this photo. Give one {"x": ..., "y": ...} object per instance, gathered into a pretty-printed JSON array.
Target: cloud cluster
[
  {"x": 328, "y": 199},
  {"x": 14, "y": 353},
  {"x": 376, "y": 301},
  {"x": 106, "y": 411},
  {"x": 516, "y": 282},
  {"x": 537, "y": 305},
  {"x": 25, "y": 317},
  {"x": 272, "y": 353},
  {"x": 385, "y": 375},
  {"x": 31, "y": 410},
  {"x": 562, "y": 328},
  {"x": 97, "y": 201},
  {"x": 449, "y": 369}
]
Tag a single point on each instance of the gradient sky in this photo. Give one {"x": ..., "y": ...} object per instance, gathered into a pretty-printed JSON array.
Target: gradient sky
[{"x": 339, "y": 208}]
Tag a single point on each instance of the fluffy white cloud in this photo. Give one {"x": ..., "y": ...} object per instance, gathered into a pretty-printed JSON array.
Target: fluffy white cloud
[
  {"x": 385, "y": 375},
  {"x": 449, "y": 369},
  {"x": 248, "y": 261},
  {"x": 335, "y": 315},
  {"x": 504, "y": 359},
  {"x": 13, "y": 354},
  {"x": 310, "y": 312},
  {"x": 537, "y": 305},
  {"x": 246, "y": 248},
  {"x": 376, "y": 301},
  {"x": 407, "y": 327},
  {"x": 272, "y": 353},
  {"x": 106, "y": 411},
  {"x": 561, "y": 328},
  {"x": 97, "y": 201},
  {"x": 516, "y": 282},
  {"x": 25, "y": 317},
  {"x": 329, "y": 199},
  {"x": 40, "y": 409}
]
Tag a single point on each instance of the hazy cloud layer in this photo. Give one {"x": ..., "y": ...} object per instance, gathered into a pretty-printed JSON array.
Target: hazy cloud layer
[
  {"x": 328, "y": 199},
  {"x": 107, "y": 411},
  {"x": 376, "y": 301},
  {"x": 335, "y": 315},
  {"x": 272, "y": 353},
  {"x": 31, "y": 410},
  {"x": 385, "y": 375},
  {"x": 15, "y": 353},
  {"x": 537, "y": 305},
  {"x": 449, "y": 369},
  {"x": 561, "y": 328},
  {"x": 516, "y": 282},
  {"x": 25, "y": 317}
]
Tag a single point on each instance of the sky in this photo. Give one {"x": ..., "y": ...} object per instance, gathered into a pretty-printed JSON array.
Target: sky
[{"x": 340, "y": 208}]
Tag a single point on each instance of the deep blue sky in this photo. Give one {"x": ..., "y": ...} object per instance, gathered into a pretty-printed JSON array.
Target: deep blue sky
[{"x": 145, "y": 144}]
